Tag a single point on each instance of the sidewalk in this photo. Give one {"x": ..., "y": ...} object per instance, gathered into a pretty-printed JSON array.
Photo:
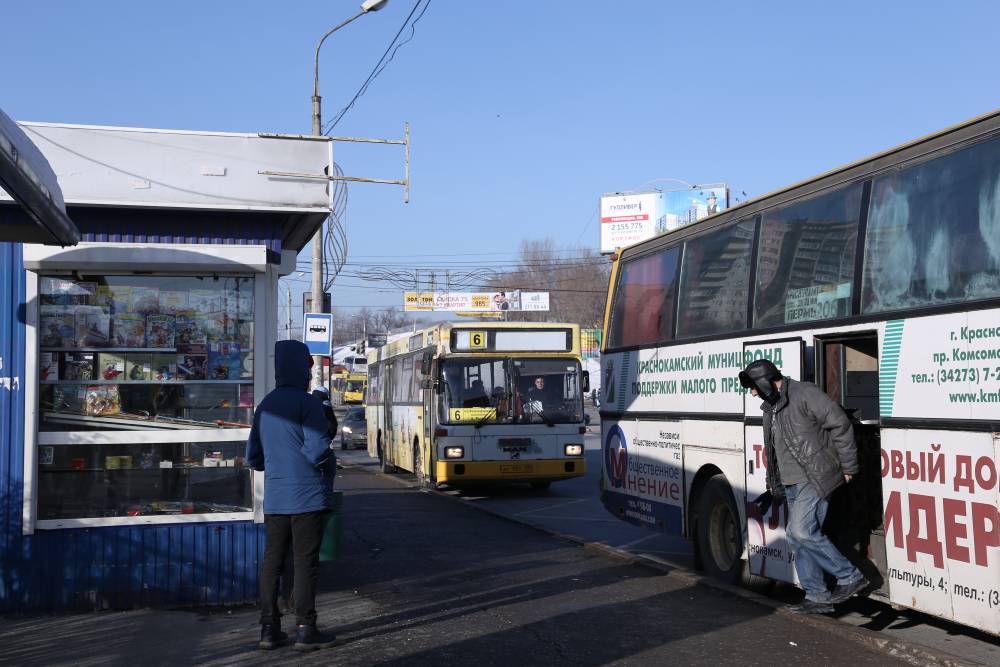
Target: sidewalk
[{"x": 426, "y": 580}]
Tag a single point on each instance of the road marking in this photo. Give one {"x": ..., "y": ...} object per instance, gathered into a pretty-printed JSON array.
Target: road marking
[
  {"x": 640, "y": 540},
  {"x": 551, "y": 507}
]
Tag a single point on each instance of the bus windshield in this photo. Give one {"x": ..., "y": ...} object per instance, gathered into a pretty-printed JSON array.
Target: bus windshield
[{"x": 511, "y": 390}]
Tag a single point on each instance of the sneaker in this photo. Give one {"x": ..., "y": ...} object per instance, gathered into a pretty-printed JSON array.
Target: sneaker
[
  {"x": 271, "y": 637},
  {"x": 843, "y": 592},
  {"x": 308, "y": 638},
  {"x": 810, "y": 607}
]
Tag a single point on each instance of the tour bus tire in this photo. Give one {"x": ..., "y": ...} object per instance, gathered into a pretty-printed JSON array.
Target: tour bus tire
[{"x": 719, "y": 537}]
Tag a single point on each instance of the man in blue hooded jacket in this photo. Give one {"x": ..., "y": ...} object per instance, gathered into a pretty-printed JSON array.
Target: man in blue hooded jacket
[{"x": 290, "y": 443}]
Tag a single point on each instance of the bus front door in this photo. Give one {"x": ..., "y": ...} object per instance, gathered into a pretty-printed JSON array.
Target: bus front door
[{"x": 768, "y": 552}]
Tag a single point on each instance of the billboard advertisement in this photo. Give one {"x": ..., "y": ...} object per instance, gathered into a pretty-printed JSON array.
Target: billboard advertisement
[
  {"x": 475, "y": 302},
  {"x": 627, "y": 219}
]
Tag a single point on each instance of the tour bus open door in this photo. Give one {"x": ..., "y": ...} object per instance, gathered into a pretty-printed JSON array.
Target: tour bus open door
[{"x": 768, "y": 553}]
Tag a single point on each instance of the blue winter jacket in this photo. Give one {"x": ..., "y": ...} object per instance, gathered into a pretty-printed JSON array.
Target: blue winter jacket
[{"x": 290, "y": 438}]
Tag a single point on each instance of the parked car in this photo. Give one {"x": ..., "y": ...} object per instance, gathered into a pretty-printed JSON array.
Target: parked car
[{"x": 354, "y": 429}]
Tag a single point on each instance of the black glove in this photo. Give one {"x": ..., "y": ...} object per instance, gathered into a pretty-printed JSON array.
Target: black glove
[{"x": 763, "y": 502}]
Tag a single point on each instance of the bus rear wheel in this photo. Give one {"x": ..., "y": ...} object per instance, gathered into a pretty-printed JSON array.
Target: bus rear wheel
[{"x": 719, "y": 538}]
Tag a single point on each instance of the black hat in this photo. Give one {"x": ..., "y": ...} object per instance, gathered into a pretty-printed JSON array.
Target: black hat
[{"x": 760, "y": 375}]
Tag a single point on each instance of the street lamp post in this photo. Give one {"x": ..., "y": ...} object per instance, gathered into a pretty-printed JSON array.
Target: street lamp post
[{"x": 317, "y": 130}]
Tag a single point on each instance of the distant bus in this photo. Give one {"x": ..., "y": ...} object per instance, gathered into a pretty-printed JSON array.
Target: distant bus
[
  {"x": 880, "y": 283},
  {"x": 348, "y": 388},
  {"x": 462, "y": 404}
]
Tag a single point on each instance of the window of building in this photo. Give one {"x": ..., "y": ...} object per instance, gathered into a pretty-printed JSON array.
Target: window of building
[
  {"x": 644, "y": 302},
  {"x": 934, "y": 232},
  {"x": 805, "y": 259},
  {"x": 715, "y": 278},
  {"x": 143, "y": 382}
]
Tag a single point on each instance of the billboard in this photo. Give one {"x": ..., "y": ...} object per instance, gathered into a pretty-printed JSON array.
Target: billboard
[
  {"x": 474, "y": 302},
  {"x": 627, "y": 219}
]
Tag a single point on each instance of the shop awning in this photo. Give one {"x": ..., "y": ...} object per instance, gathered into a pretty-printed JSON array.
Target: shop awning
[{"x": 25, "y": 175}]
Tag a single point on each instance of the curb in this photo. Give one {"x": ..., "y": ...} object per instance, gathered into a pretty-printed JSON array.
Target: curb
[{"x": 915, "y": 654}]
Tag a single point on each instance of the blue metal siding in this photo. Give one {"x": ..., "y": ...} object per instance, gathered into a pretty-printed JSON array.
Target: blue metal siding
[{"x": 118, "y": 567}]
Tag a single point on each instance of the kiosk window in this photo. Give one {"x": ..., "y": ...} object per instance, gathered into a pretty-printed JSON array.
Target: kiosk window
[{"x": 128, "y": 359}]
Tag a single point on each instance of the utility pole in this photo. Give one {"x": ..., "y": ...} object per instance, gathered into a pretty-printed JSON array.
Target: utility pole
[{"x": 289, "y": 326}]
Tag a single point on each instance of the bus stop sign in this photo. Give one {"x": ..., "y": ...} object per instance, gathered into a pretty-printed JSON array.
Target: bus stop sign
[{"x": 318, "y": 333}]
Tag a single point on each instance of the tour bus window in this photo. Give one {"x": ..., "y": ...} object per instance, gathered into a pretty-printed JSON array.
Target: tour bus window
[
  {"x": 934, "y": 232},
  {"x": 805, "y": 259},
  {"x": 643, "y": 310},
  {"x": 715, "y": 277}
]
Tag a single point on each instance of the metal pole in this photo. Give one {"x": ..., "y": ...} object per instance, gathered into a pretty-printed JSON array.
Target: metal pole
[
  {"x": 317, "y": 241},
  {"x": 289, "y": 292}
]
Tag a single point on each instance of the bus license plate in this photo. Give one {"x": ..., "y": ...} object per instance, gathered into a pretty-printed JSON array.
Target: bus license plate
[{"x": 515, "y": 468}]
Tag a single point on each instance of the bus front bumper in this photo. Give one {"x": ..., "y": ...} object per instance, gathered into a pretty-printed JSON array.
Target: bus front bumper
[{"x": 529, "y": 470}]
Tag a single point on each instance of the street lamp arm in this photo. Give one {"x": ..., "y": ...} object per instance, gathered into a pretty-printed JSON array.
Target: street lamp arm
[{"x": 320, "y": 45}]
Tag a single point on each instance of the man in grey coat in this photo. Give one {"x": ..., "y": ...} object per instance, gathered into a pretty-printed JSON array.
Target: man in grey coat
[{"x": 810, "y": 449}]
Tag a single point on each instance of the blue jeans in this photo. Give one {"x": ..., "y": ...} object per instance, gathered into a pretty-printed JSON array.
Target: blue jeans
[{"x": 814, "y": 552}]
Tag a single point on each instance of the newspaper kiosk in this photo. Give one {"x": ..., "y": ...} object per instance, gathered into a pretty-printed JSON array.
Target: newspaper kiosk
[{"x": 146, "y": 348}]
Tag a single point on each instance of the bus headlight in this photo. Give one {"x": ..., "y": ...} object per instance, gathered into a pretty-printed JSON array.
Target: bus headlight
[
  {"x": 454, "y": 452},
  {"x": 573, "y": 450},
  {"x": 347, "y": 429}
]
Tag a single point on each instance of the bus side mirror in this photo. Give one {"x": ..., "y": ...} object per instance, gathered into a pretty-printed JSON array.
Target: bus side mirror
[
  {"x": 585, "y": 381},
  {"x": 427, "y": 383},
  {"x": 425, "y": 363}
]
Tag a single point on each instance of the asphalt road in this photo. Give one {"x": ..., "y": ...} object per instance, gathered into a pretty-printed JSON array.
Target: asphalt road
[{"x": 573, "y": 507}]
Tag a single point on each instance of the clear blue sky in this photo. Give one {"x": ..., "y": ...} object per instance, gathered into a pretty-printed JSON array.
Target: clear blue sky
[{"x": 522, "y": 113}]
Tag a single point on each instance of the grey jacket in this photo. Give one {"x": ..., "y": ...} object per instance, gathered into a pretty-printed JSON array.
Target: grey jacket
[{"x": 818, "y": 435}]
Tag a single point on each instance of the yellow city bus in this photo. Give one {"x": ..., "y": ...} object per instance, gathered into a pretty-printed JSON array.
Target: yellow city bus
[
  {"x": 348, "y": 388},
  {"x": 880, "y": 283},
  {"x": 461, "y": 404}
]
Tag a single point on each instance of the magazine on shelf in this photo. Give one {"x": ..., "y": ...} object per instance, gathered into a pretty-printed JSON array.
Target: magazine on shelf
[
  {"x": 191, "y": 366},
  {"x": 145, "y": 300},
  {"x": 57, "y": 291},
  {"x": 138, "y": 366},
  {"x": 69, "y": 398},
  {"x": 214, "y": 325},
  {"x": 48, "y": 366},
  {"x": 172, "y": 302},
  {"x": 204, "y": 301},
  {"x": 111, "y": 366},
  {"x": 79, "y": 366},
  {"x": 188, "y": 332},
  {"x": 244, "y": 334},
  {"x": 130, "y": 330},
  {"x": 121, "y": 298},
  {"x": 224, "y": 361},
  {"x": 93, "y": 326},
  {"x": 57, "y": 327},
  {"x": 164, "y": 367},
  {"x": 103, "y": 399},
  {"x": 160, "y": 331}
]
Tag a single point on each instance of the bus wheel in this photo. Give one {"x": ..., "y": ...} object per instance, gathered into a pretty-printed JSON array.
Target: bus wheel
[{"x": 720, "y": 540}]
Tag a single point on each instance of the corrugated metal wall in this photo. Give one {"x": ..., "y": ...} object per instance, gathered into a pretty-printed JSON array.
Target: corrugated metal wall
[{"x": 102, "y": 568}]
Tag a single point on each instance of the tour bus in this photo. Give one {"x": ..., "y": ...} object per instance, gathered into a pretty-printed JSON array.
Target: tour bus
[
  {"x": 348, "y": 388},
  {"x": 465, "y": 404},
  {"x": 880, "y": 283}
]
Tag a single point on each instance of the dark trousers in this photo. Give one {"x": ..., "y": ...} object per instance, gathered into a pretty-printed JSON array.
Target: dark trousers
[{"x": 305, "y": 534}]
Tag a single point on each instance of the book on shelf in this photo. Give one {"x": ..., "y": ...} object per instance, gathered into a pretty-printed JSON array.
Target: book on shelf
[
  {"x": 111, "y": 366},
  {"x": 79, "y": 366},
  {"x": 121, "y": 298},
  {"x": 173, "y": 302},
  {"x": 57, "y": 327},
  {"x": 69, "y": 398},
  {"x": 61, "y": 292},
  {"x": 146, "y": 300},
  {"x": 204, "y": 301},
  {"x": 48, "y": 366},
  {"x": 138, "y": 366},
  {"x": 164, "y": 367},
  {"x": 192, "y": 366},
  {"x": 93, "y": 326},
  {"x": 188, "y": 332},
  {"x": 160, "y": 331},
  {"x": 224, "y": 361},
  {"x": 103, "y": 399},
  {"x": 130, "y": 330}
]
